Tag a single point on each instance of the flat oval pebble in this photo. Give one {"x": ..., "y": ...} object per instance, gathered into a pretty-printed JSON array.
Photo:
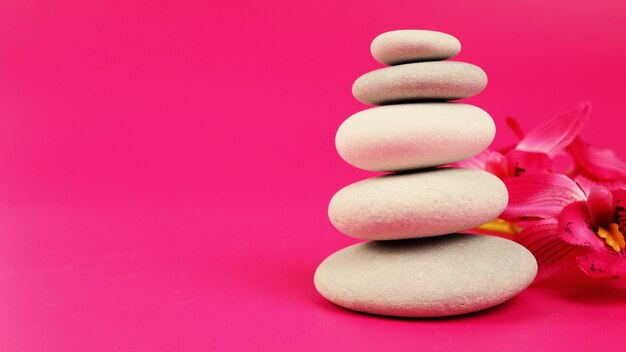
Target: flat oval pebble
[
  {"x": 418, "y": 204},
  {"x": 404, "y": 46},
  {"x": 409, "y": 136},
  {"x": 434, "y": 80},
  {"x": 427, "y": 277}
]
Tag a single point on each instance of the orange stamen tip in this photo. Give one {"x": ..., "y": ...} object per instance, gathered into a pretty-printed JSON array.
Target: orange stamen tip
[
  {"x": 500, "y": 226},
  {"x": 613, "y": 237}
]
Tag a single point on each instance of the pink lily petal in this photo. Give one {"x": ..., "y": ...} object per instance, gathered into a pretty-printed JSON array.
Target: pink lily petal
[
  {"x": 575, "y": 228},
  {"x": 475, "y": 162},
  {"x": 587, "y": 182},
  {"x": 507, "y": 149},
  {"x": 551, "y": 252},
  {"x": 497, "y": 164},
  {"x": 599, "y": 166},
  {"x": 515, "y": 127},
  {"x": 554, "y": 135},
  {"x": 521, "y": 163},
  {"x": 599, "y": 162},
  {"x": 600, "y": 207},
  {"x": 602, "y": 264},
  {"x": 539, "y": 196}
]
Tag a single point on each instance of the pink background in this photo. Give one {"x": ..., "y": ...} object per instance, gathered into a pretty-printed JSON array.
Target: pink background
[{"x": 166, "y": 168}]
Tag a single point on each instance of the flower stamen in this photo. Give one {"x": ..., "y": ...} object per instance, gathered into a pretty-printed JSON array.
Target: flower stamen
[
  {"x": 501, "y": 227},
  {"x": 613, "y": 237}
]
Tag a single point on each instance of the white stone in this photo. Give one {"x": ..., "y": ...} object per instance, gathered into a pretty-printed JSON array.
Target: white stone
[
  {"x": 418, "y": 204},
  {"x": 434, "y": 80},
  {"x": 410, "y": 136},
  {"x": 427, "y": 277},
  {"x": 404, "y": 46}
]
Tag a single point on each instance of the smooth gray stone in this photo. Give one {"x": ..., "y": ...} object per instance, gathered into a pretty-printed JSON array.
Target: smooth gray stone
[
  {"x": 411, "y": 45},
  {"x": 427, "y": 277},
  {"x": 434, "y": 80},
  {"x": 418, "y": 204},
  {"x": 411, "y": 136}
]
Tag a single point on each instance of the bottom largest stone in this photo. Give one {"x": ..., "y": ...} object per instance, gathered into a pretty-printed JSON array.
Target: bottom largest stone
[{"x": 427, "y": 277}]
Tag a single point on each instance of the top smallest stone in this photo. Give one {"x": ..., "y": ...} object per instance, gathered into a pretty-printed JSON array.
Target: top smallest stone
[{"x": 410, "y": 45}]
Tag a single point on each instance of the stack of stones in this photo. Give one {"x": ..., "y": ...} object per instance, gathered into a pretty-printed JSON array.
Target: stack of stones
[{"x": 414, "y": 263}]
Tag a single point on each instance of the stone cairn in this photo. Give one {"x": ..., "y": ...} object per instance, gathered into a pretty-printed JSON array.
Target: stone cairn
[{"x": 413, "y": 262}]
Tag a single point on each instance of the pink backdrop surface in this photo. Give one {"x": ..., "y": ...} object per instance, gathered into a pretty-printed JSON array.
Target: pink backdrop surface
[{"x": 167, "y": 165}]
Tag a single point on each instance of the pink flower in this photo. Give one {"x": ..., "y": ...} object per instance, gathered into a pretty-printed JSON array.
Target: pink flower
[{"x": 560, "y": 220}]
